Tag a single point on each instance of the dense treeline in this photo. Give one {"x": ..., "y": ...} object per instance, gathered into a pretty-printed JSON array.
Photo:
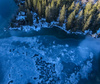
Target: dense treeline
[
  {"x": 49, "y": 8},
  {"x": 75, "y": 15}
]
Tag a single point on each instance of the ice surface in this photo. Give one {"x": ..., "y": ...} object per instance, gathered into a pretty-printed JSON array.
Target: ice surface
[{"x": 42, "y": 60}]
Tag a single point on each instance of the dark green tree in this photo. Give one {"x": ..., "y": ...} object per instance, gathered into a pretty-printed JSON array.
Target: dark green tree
[
  {"x": 71, "y": 8},
  {"x": 29, "y": 4},
  {"x": 62, "y": 14},
  {"x": 39, "y": 7},
  {"x": 86, "y": 10},
  {"x": 70, "y": 19},
  {"x": 48, "y": 13},
  {"x": 35, "y": 4},
  {"x": 29, "y": 17},
  {"x": 21, "y": 8},
  {"x": 86, "y": 25},
  {"x": 26, "y": 5}
]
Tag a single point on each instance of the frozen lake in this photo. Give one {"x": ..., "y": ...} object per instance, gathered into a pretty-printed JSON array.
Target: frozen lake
[
  {"x": 30, "y": 58},
  {"x": 49, "y": 56}
]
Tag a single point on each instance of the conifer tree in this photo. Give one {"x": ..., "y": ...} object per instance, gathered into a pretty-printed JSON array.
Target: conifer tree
[
  {"x": 79, "y": 20},
  {"x": 86, "y": 10},
  {"x": 29, "y": 4},
  {"x": 93, "y": 9},
  {"x": 77, "y": 7},
  {"x": 54, "y": 11},
  {"x": 39, "y": 6},
  {"x": 88, "y": 6},
  {"x": 95, "y": 6},
  {"x": 86, "y": 25},
  {"x": 48, "y": 13},
  {"x": 52, "y": 4},
  {"x": 26, "y": 5},
  {"x": 72, "y": 6},
  {"x": 96, "y": 23},
  {"x": 98, "y": 5},
  {"x": 21, "y": 8},
  {"x": 62, "y": 14},
  {"x": 70, "y": 19},
  {"x": 29, "y": 17},
  {"x": 58, "y": 3},
  {"x": 44, "y": 3},
  {"x": 35, "y": 4},
  {"x": 80, "y": 14},
  {"x": 98, "y": 17}
]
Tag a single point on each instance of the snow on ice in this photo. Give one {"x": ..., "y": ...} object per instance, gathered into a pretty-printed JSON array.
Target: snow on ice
[{"x": 38, "y": 60}]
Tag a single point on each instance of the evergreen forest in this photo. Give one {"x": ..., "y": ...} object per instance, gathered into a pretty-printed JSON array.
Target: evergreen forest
[{"x": 76, "y": 15}]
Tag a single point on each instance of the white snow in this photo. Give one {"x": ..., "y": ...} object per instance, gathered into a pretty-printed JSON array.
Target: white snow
[
  {"x": 21, "y": 13},
  {"x": 21, "y": 18},
  {"x": 98, "y": 31},
  {"x": 87, "y": 32}
]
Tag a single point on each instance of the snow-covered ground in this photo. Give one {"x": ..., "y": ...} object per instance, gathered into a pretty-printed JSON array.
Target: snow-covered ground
[
  {"x": 37, "y": 25},
  {"x": 43, "y": 24},
  {"x": 45, "y": 60}
]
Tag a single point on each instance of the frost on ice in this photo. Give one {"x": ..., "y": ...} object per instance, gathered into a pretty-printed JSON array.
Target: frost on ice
[{"x": 38, "y": 60}]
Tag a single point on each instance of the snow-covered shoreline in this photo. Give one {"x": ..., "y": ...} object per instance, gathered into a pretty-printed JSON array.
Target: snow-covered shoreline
[{"x": 42, "y": 23}]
